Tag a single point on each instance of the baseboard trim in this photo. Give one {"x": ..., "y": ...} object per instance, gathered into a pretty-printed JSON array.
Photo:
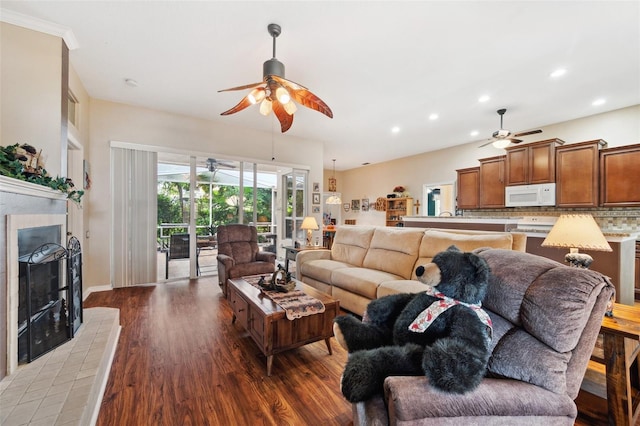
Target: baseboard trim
[{"x": 87, "y": 291}]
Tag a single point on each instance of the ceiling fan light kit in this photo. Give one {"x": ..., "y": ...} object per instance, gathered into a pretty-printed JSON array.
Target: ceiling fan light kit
[
  {"x": 502, "y": 137},
  {"x": 277, "y": 94}
]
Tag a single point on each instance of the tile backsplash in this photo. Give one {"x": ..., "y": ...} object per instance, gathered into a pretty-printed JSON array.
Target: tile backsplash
[{"x": 609, "y": 219}]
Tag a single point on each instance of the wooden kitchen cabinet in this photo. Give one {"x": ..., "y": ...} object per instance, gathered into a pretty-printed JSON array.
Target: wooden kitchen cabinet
[
  {"x": 577, "y": 174},
  {"x": 620, "y": 176},
  {"x": 637, "y": 277},
  {"x": 532, "y": 163},
  {"x": 468, "y": 188},
  {"x": 492, "y": 182}
]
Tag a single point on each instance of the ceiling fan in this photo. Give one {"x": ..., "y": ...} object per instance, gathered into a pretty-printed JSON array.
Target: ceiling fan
[
  {"x": 503, "y": 137},
  {"x": 275, "y": 93},
  {"x": 213, "y": 165}
]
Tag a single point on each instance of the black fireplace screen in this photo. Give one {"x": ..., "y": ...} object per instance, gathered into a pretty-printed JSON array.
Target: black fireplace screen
[{"x": 50, "y": 304}]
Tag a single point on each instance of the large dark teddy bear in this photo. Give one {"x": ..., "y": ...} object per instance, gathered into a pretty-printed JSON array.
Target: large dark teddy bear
[{"x": 441, "y": 333}]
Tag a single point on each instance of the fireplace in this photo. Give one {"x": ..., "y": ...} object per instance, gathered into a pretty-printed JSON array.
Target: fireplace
[
  {"x": 50, "y": 293},
  {"x": 23, "y": 205}
]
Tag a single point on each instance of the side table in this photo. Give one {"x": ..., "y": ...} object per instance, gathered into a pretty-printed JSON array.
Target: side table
[{"x": 616, "y": 367}]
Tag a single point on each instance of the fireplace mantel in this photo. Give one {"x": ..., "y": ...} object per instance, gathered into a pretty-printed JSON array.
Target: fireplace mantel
[{"x": 17, "y": 186}]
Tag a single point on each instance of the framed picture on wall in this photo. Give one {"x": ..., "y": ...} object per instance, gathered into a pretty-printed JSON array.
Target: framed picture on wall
[
  {"x": 365, "y": 204},
  {"x": 316, "y": 186},
  {"x": 346, "y": 207},
  {"x": 332, "y": 184},
  {"x": 315, "y": 209},
  {"x": 355, "y": 205},
  {"x": 316, "y": 198}
]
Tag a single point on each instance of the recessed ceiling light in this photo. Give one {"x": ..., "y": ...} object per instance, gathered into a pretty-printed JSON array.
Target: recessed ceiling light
[
  {"x": 598, "y": 102},
  {"x": 433, "y": 116},
  {"x": 484, "y": 98},
  {"x": 558, "y": 73},
  {"x": 395, "y": 129},
  {"x": 130, "y": 82},
  {"x": 474, "y": 133}
]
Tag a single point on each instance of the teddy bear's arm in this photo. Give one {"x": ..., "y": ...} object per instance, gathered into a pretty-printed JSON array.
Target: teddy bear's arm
[{"x": 384, "y": 311}]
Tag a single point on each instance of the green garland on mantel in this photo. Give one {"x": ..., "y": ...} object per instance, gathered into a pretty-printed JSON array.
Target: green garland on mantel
[{"x": 22, "y": 162}]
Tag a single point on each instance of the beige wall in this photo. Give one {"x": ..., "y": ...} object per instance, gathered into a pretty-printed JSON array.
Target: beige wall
[
  {"x": 123, "y": 123},
  {"x": 30, "y": 93},
  {"x": 620, "y": 127}
]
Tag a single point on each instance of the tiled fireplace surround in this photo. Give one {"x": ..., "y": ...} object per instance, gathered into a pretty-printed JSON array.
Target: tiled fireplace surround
[{"x": 65, "y": 385}]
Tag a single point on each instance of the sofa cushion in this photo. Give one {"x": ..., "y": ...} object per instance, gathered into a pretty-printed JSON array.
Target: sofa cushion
[
  {"x": 400, "y": 286},
  {"x": 393, "y": 250},
  {"x": 321, "y": 269},
  {"x": 351, "y": 243},
  {"x": 519, "y": 355},
  {"x": 433, "y": 242},
  {"x": 361, "y": 281}
]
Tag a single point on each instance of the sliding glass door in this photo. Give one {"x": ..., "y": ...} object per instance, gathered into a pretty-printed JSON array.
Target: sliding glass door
[{"x": 294, "y": 205}]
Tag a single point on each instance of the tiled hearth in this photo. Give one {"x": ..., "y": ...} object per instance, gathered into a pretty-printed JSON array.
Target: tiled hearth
[{"x": 66, "y": 385}]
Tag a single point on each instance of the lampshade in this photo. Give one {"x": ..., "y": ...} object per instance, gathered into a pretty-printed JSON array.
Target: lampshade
[
  {"x": 502, "y": 143},
  {"x": 333, "y": 199},
  {"x": 309, "y": 223},
  {"x": 578, "y": 231}
]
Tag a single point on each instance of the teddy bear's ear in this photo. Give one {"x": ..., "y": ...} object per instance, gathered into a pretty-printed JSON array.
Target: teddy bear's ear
[{"x": 454, "y": 248}]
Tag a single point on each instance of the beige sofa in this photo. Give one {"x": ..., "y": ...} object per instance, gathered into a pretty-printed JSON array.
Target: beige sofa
[{"x": 368, "y": 262}]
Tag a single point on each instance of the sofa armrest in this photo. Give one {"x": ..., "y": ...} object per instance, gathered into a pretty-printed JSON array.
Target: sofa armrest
[
  {"x": 412, "y": 400},
  {"x": 266, "y": 256},
  {"x": 307, "y": 255},
  {"x": 227, "y": 261},
  {"x": 519, "y": 241}
]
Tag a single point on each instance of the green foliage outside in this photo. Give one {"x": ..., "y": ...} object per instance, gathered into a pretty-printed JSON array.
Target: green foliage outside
[{"x": 173, "y": 205}]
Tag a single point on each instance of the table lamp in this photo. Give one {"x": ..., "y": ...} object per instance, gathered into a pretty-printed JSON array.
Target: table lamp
[
  {"x": 577, "y": 231},
  {"x": 309, "y": 224}
]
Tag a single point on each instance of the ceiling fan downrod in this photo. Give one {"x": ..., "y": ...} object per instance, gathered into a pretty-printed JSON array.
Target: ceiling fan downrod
[{"x": 273, "y": 66}]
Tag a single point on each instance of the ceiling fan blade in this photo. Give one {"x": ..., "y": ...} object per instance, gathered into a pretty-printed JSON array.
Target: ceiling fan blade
[
  {"x": 487, "y": 143},
  {"x": 304, "y": 96},
  {"x": 288, "y": 83},
  {"x": 244, "y": 103},
  {"x": 308, "y": 99},
  {"x": 530, "y": 132},
  {"x": 247, "y": 86},
  {"x": 284, "y": 118}
]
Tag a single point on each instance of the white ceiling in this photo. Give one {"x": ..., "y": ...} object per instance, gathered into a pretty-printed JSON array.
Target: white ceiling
[{"x": 376, "y": 64}]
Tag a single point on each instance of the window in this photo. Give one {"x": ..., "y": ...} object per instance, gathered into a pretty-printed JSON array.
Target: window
[{"x": 72, "y": 112}]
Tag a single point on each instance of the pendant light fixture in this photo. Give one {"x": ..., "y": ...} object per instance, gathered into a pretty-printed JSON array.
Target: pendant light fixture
[{"x": 334, "y": 198}]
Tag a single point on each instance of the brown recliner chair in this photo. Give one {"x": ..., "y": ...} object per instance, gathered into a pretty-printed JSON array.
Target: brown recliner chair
[{"x": 239, "y": 254}]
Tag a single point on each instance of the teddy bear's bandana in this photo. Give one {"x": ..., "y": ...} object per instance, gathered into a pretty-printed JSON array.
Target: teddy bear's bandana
[{"x": 433, "y": 311}]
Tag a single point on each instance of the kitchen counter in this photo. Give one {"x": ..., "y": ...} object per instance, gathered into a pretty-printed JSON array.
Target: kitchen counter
[
  {"x": 619, "y": 264},
  {"x": 460, "y": 219},
  {"x": 459, "y": 222}
]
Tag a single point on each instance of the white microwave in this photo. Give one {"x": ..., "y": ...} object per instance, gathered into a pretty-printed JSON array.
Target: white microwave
[{"x": 543, "y": 194}]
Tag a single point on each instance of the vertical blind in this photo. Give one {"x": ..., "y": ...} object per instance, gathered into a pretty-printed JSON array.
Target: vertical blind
[{"x": 134, "y": 190}]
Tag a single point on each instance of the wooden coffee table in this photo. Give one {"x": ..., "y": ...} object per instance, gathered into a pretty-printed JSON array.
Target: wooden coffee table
[{"x": 268, "y": 325}]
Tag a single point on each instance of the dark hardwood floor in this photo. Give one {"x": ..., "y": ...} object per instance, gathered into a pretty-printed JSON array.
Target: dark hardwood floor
[{"x": 180, "y": 361}]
